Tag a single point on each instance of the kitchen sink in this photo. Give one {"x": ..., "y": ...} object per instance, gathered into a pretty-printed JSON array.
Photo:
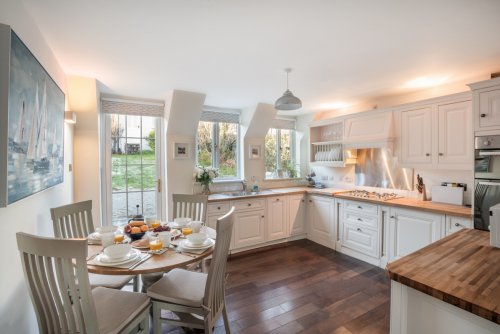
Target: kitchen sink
[{"x": 247, "y": 193}]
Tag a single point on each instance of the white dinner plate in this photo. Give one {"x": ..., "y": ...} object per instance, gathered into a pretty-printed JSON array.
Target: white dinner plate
[
  {"x": 188, "y": 245},
  {"x": 132, "y": 255}
]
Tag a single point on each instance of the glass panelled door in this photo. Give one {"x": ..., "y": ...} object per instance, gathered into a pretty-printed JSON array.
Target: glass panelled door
[{"x": 133, "y": 167}]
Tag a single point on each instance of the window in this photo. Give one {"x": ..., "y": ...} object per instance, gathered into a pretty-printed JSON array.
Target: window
[
  {"x": 218, "y": 136},
  {"x": 132, "y": 167},
  {"x": 280, "y": 153}
]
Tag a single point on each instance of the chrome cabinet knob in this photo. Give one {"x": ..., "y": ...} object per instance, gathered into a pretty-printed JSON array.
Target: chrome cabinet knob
[
  {"x": 359, "y": 230},
  {"x": 457, "y": 224},
  {"x": 483, "y": 115},
  {"x": 249, "y": 204},
  {"x": 360, "y": 207},
  {"x": 427, "y": 154}
]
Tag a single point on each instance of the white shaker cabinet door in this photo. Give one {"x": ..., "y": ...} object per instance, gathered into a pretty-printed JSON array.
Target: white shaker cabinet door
[
  {"x": 416, "y": 136},
  {"x": 277, "y": 218},
  {"x": 297, "y": 214},
  {"x": 455, "y": 135},
  {"x": 410, "y": 230},
  {"x": 249, "y": 228},
  {"x": 320, "y": 220}
]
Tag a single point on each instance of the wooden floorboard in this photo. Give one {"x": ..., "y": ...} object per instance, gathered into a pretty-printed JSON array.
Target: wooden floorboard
[{"x": 303, "y": 288}]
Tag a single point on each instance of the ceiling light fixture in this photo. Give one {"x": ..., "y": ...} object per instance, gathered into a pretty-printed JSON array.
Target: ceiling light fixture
[{"x": 288, "y": 101}]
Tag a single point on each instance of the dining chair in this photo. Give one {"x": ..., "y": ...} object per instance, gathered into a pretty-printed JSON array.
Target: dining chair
[
  {"x": 58, "y": 284},
  {"x": 197, "y": 299},
  {"x": 75, "y": 221},
  {"x": 192, "y": 206}
]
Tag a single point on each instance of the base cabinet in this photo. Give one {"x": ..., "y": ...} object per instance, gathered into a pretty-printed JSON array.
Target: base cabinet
[
  {"x": 410, "y": 230},
  {"x": 297, "y": 214},
  {"x": 320, "y": 220},
  {"x": 249, "y": 228},
  {"x": 277, "y": 218}
]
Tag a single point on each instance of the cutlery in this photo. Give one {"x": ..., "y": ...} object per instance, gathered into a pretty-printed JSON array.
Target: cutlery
[{"x": 141, "y": 261}]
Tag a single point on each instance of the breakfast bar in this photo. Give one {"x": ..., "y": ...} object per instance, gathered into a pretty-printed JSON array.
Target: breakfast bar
[{"x": 450, "y": 286}]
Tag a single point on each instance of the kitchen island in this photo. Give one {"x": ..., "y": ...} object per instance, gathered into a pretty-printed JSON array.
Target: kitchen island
[{"x": 450, "y": 286}]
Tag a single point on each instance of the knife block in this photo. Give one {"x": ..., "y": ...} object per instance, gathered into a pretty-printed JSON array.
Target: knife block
[{"x": 423, "y": 195}]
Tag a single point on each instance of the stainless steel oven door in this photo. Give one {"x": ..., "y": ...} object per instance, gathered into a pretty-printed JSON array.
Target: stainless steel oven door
[{"x": 486, "y": 194}]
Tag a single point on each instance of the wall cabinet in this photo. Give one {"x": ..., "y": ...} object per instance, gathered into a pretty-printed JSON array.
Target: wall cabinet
[
  {"x": 320, "y": 220},
  {"x": 297, "y": 214},
  {"x": 277, "y": 217},
  {"x": 486, "y": 101},
  {"x": 410, "y": 230},
  {"x": 438, "y": 135}
]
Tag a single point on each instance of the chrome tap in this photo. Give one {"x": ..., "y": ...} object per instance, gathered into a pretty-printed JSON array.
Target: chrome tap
[{"x": 244, "y": 185}]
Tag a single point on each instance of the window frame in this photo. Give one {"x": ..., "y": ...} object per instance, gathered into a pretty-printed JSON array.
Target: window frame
[
  {"x": 215, "y": 143},
  {"x": 293, "y": 152}
]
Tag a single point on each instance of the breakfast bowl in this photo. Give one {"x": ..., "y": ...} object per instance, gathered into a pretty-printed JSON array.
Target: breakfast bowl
[
  {"x": 182, "y": 221},
  {"x": 197, "y": 238},
  {"x": 117, "y": 251}
]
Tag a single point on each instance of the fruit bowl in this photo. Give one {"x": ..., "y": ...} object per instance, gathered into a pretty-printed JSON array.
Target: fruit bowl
[{"x": 136, "y": 236}]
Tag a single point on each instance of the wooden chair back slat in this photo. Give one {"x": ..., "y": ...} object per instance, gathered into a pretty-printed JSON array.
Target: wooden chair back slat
[
  {"x": 215, "y": 287},
  {"x": 73, "y": 220},
  {"x": 58, "y": 282},
  {"x": 191, "y": 206}
]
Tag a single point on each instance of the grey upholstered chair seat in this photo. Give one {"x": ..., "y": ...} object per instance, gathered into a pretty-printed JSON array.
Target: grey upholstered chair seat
[
  {"x": 115, "y": 308},
  {"x": 109, "y": 281},
  {"x": 180, "y": 287}
]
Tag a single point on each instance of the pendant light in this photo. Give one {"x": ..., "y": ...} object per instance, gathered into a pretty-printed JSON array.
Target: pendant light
[{"x": 288, "y": 101}]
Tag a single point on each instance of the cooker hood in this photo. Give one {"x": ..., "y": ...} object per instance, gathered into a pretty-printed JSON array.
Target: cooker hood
[{"x": 375, "y": 130}]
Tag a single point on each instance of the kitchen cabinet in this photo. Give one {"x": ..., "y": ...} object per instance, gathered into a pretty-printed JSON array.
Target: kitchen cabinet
[
  {"x": 486, "y": 104},
  {"x": 216, "y": 210},
  {"x": 326, "y": 145},
  {"x": 410, "y": 230},
  {"x": 277, "y": 217},
  {"x": 438, "y": 135},
  {"x": 454, "y": 224},
  {"x": 249, "y": 228},
  {"x": 360, "y": 230},
  {"x": 320, "y": 220},
  {"x": 297, "y": 214}
]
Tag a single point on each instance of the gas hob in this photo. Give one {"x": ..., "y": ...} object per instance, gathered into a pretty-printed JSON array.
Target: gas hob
[{"x": 372, "y": 195}]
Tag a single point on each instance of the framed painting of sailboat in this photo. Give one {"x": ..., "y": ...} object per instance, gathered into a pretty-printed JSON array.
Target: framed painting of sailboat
[{"x": 31, "y": 123}]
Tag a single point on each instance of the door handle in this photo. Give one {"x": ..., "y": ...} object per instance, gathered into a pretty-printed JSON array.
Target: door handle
[
  {"x": 487, "y": 183},
  {"x": 483, "y": 115},
  {"x": 158, "y": 185}
]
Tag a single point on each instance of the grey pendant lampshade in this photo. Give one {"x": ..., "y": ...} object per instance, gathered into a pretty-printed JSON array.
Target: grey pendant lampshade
[{"x": 288, "y": 101}]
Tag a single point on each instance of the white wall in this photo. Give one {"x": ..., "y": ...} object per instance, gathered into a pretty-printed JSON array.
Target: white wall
[{"x": 29, "y": 215}]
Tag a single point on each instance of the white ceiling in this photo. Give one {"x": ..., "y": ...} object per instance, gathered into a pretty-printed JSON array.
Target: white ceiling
[{"x": 235, "y": 51}]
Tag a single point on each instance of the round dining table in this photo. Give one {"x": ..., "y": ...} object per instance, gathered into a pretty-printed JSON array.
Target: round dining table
[{"x": 157, "y": 263}]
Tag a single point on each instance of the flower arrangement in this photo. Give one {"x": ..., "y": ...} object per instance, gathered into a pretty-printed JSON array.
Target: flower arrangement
[{"x": 205, "y": 175}]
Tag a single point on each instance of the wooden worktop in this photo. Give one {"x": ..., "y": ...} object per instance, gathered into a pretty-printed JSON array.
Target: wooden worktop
[
  {"x": 461, "y": 269},
  {"x": 404, "y": 202},
  {"x": 412, "y": 203}
]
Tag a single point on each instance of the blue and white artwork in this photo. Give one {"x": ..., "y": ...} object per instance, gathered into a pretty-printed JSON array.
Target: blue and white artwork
[{"x": 35, "y": 150}]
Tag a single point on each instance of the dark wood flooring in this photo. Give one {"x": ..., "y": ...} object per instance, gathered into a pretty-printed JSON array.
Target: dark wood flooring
[{"x": 304, "y": 288}]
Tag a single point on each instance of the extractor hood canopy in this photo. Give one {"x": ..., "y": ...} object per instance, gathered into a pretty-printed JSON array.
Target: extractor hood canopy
[{"x": 369, "y": 130}]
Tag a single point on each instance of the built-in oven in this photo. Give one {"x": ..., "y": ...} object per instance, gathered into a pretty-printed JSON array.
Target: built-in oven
[{"x": 487, "y": 179}]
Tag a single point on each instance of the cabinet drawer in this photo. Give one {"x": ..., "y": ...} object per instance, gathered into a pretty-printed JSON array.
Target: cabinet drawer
[
  {"x": 361, "y": 239},
  {"x": 218, "y": 208},
  {"x": 361, "y": 207},
  {"x": 360, "y": 219},
  {"x": 454, "y": 224},
  {"x": 249, "y": 204}
]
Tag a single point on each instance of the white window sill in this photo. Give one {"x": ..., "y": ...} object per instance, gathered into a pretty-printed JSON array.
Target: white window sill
[
  {"x": 284, "y": 179},
  {"x": 222, "y": 181}
]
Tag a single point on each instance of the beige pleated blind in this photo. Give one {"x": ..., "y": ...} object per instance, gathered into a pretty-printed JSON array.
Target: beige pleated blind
[
  {"x": 111, "y": 105},
  {"x": 283, "y": 123},
  {"x": 208, "y": 115}
]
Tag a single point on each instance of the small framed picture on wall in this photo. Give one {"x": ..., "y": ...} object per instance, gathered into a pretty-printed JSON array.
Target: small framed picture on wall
[
  {"x": 181, "y": 150},
  {"x": 255, "y": 152}
]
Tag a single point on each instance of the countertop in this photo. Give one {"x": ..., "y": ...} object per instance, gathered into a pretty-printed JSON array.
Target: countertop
[
  {"x": 407, "y": 203},
  {"x": 461, "y": 269}
]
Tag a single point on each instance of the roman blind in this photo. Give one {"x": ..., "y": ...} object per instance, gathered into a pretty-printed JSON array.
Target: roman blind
[
  {"x": 283, "y": 123},
  {"x": 125, "y": 106},
  {"x": 220, "y": 115}
]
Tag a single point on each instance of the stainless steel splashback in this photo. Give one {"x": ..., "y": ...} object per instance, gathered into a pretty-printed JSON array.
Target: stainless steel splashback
[{"x": 376, "y": 167}]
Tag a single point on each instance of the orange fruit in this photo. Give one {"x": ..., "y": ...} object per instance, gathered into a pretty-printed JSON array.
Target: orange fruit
[
  {"x": 144, "y": 228},
  {"x": 135, "y": 230}
]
